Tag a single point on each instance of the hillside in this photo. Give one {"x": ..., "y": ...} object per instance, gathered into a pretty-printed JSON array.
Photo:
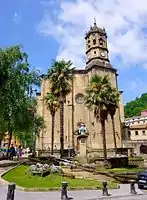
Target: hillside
[{"x": 133, "y": 108}]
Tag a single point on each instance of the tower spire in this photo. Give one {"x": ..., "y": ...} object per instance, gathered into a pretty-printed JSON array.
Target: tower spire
[
  {"x": 96, "y": 45},
  {"x": 94, "y": 21}
]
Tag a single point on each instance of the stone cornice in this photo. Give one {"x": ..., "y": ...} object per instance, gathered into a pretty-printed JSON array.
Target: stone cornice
[{"x": 99, "y": 65}]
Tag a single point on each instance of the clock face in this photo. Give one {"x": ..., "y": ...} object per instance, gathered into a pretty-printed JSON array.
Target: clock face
[{"x": 103, "y": 54}]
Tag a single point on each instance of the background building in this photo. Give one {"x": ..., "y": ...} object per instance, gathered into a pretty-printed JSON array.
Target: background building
[
  {"x": 136, "y": 133},
  {"x": 76, "y": 113}
]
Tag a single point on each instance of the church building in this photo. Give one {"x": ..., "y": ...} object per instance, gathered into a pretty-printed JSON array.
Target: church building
[{"x": 77, "y": 117}]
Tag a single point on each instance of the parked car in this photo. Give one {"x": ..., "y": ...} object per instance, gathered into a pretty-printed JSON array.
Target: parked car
[{"x": 142, "y": 180}]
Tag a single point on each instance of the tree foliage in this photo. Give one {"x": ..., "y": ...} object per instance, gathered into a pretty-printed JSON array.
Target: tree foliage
[
  {"x": 103, "y": 99},
  {"x": 95, "y": 100},
  {"x": 61, "y": 76},
  {"x": 15, "y": 90},
  {"x": 27, "y": 136},
  {"x": 52, "y": 102},
  {"x": 53, "y": 105},
  {"x": 134, "y": 108}
]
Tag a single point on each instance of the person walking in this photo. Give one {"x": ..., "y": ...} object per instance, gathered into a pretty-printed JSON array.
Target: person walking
[
  {"x": 19, "y": 152},
  {"x": 12, "y": 152}
]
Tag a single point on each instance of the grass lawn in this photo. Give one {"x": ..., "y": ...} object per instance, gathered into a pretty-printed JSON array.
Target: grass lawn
[
  {"x": 50, "y": 182},
  {"x": 125, "y": 170},
  {"x": 122, "y": 170}
]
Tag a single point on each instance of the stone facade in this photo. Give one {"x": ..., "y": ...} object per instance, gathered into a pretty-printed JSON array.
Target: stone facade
[
  {"x": 137, "y": 127},
  {"x": 136, "y": 133},
  {"x": 97, "y": 62}
]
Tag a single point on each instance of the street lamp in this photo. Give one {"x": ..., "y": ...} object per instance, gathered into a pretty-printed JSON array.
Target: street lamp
[
  {"x": 69, "y": 105},
  {"x": 35, "y": 131},
  {"x": 34, "y": 119}
]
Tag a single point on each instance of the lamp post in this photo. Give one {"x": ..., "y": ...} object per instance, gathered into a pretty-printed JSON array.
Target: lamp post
[
  {"x": 35, "y": 131},
  {"x": 34, "y": 138},
  {"x": 34, "y": 119},
  {"x": 69, "y": 105}
]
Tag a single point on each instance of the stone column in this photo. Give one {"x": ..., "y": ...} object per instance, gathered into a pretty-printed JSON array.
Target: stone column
[{"x": 83, "y": 148}]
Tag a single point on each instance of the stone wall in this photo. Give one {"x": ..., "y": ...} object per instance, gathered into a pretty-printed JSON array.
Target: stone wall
[
  {"x": 81, "y": 114},
  {"x": 135, "y": 145},
  {"x": 95, "y": 153}
]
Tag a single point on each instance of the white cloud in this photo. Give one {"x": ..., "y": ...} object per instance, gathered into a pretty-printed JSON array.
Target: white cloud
[
  {"x": 16, "y": 18},
  {"x": 124, "y": 21}
]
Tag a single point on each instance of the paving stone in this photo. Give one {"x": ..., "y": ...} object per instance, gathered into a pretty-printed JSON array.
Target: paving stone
[{"x": 77, "y": 195}]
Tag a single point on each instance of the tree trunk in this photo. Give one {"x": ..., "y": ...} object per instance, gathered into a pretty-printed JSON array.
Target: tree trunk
[
  {"x": 52, "y": 135},
  {"x": 10, "y": 138},
  {"x": 61, "y": 128},
  {"x": 103, "y": 133},
  {"x": 114, "y": 136}
]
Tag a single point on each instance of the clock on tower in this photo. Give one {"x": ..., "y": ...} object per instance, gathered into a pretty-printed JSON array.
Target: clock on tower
[{"x": 96, "y": 44}]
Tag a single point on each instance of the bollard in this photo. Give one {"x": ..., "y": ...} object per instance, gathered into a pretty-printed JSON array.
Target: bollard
[
  {"x": 64, "y": 191},
  {"x": 104, "y": 189},
  {"x": 10, "y": 193},
  {"x": 132, "y": 187}
]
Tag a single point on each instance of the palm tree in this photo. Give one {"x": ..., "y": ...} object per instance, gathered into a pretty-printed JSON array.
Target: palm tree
[
  {"x": 61, "y": 76},
  {"x": 94, "y": 100},
  {"x": 53, "y": 105},
  {"x": 112, "y": 102}
]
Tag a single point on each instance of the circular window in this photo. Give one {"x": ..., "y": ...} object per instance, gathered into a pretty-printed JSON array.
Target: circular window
[{"x": 80, "y": 98}]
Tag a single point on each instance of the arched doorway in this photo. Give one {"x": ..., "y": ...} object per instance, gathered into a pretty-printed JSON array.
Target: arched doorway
[{"x": 143, "y": 149}]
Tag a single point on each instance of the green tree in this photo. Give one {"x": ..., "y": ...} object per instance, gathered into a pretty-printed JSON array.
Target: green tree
[
  {"x": 134, "y": 108},
  {"x": 28, "y": 136},
  {"x": 61, "y": 76},
  {"x": 14, "y": 98},
  {"x": 111, "y": 100},
  {"x": 36, "y": 124},
  {"x": 94, "y": 100},
  {"x": 53, "y": 105},
  {"x": 3, "y": 70}
]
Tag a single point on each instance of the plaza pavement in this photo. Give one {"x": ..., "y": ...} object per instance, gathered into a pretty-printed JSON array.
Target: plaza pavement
[
  {"x": 77, "y": 195},
  {"x": 144, "y": 197}
]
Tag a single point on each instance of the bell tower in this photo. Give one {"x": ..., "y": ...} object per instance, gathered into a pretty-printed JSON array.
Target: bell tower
[{"x": 96, "y": 45}]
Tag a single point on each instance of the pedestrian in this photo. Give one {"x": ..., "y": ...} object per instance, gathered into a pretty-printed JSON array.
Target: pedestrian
[
  {"x": 19, "y": 152},
  {"x": 12, "y": 152}
]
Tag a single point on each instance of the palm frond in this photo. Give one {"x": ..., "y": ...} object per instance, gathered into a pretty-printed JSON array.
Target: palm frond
[
  {"x": 52, "y": 102},
  {"x": 61, "y": 75}
]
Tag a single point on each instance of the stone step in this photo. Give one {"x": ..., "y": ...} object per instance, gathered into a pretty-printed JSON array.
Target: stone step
[{"x": 76, "y": 170}]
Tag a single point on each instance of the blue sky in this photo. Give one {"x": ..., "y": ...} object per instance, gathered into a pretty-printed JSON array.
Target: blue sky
[
  {"x": 18, "y": 21},
  {"x": 50, "y": 29}
]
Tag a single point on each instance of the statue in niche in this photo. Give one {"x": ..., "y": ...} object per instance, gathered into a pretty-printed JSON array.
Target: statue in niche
[{"x": 82, "y": 129}]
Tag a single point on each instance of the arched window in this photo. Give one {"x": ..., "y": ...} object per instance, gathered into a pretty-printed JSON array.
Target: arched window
[
  {"x": 94, "y": 41},
  {"x": 143, "y": 149},
  {"x": 101, "y": 41}
]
